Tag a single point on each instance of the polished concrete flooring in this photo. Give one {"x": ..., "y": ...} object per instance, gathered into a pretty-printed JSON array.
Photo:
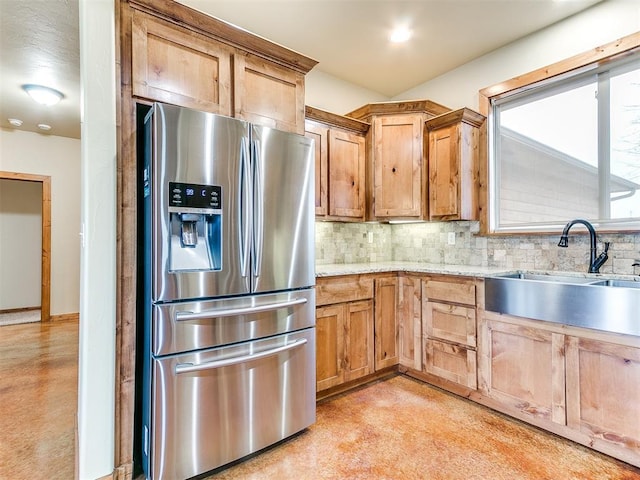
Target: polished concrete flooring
[
  {"x": 403, "y": 429},
  {"x": 393, "y": 429},
  {"x": 38, "y": 400}
]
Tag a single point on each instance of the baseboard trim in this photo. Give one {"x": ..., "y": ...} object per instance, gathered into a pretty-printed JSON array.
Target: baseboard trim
[{"x": 64, "y": 317}]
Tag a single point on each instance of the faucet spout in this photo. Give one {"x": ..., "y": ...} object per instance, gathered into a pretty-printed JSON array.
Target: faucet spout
[{"x": 594, "y": 263}]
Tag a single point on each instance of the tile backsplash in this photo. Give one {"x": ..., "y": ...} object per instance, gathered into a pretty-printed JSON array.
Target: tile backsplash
[{"x": 428, "y": 242}]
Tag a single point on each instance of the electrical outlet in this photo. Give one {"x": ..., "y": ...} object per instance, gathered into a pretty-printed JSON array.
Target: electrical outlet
[
  {"x": 451, "y": 238},
  {"x": 370, "y": 237}
]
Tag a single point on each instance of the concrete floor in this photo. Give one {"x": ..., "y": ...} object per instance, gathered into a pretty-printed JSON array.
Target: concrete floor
[{"x": 394, "y": 429}]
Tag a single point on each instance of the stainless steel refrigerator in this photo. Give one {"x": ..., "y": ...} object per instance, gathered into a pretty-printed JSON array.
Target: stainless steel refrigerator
[{"x": 227, "y": 362}]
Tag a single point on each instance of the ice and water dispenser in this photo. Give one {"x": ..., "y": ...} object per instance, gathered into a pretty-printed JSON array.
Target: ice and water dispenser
[{"x": 196, "y": 226}]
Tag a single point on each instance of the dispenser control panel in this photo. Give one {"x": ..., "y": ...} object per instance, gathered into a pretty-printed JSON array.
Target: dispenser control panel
[{"x": 191, "y": 197}]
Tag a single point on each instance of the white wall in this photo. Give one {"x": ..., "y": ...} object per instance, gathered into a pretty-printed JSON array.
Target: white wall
[
  {"x": 59, "y": 158},
  {"x": 96, "y": 376},
  {"x": 601, "y": 24},
  {"x": 20, "y": 244},
  {"x": 329, "y": 93}
]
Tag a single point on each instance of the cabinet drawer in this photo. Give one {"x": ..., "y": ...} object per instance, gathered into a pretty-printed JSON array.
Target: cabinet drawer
[
  {"x": 343, "y": 289},
  {"x": 463, "y": 292},
  {"x": 451, "y": 362},
  {"x": 450, "y": 322}
]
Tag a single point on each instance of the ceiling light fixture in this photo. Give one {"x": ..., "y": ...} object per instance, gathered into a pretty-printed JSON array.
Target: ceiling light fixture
[
  {"x": 44, "y": 126},
  {"x": 16, "y": 122},
  {"x": 400, "y": 35},
  {"x": 43, "y": 95}
]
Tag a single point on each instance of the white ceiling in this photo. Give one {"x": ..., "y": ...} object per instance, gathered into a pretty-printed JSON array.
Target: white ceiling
[{"x": 39, "y": 42}]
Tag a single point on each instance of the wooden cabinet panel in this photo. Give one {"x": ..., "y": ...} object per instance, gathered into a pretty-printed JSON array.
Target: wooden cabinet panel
[
  {"x": 523, "y": 368},
  {"x": 410, "y": 328},
  {"x": 443, "y": 172},
  {"x": 346, "y": 174},
  {"x": 453, "y": 158},
  {"x": 386, "y": 322},
  {"x": 603, "y": 392},
  {"x": 340, "y": 165},
  {"x": 454, "y": 291},
  {"x": 450, "y": 322},
  {"x": 398, "y": 166},
  {"x": 268, "y": 94},
  {"x": 343, "y": 289},
  {"x": 359, "y": 358},
  {"x": 451, "y": 362},
  {"x": 320, "y": 135},
  {"x": 330, "y": 333},
  {"x": 174, "y": 65}
]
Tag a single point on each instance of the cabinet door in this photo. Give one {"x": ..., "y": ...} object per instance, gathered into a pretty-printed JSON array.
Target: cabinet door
[
  {"x": 451, "y": 362},
  {"x": 410, "y": 312},
  {"x": 320, "y": 134},
  {"x": 386, "y": 322},
  {"x": 444, "y": 178},
  {"x": 346, "y": 174},
  {"x": 450, "y": 322},
  {"x": 268, "y": 94},
  {"x": 397, "y": 153},
  {"x": 330, "y": 334},
  {"x": 523, "y": 368},
  {"x": 603, "y": 392},
  {"x": 359, "y": 339},
  {"x": 175, "y": 65}
]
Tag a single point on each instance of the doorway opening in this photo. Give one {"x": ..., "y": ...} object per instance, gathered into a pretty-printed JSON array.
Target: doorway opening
[{"x": 45, "y": 257}]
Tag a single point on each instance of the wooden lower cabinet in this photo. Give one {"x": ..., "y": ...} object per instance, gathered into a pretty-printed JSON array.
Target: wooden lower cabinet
[
  {"x": 522, "y": 368},
  {"x": 410, "y": 322},
  {"x": 386, "y": 322},
  {"x": 603, "y": 394},
  {"x": 329, "y": 346},
  {"x": 451, "y": 362},
  {"x": 344, "y": 343}
]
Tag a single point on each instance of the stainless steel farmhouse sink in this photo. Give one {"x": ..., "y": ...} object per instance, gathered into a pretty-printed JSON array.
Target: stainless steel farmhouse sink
[{"x": 602, "y": 304}]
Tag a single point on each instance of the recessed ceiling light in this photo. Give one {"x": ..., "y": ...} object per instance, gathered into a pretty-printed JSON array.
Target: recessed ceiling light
[
  {"x": 43, "y": 95},
  {"x": 400, "y": 35},
  {"x": 44, "y": 126},
  {"x": 16, "y": 122}
]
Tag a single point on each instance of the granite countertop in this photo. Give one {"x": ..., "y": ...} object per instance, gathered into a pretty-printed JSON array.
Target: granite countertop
[{"x": 333, "y": 270}]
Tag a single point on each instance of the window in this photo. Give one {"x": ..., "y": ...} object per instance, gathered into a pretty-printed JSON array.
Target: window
[{"x": 565, "y": 148}]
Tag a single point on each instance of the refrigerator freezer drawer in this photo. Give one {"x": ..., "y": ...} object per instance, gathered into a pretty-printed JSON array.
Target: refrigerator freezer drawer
[
  {"x": 185, "y": 326},
  {"x": 215, "y": 406}
]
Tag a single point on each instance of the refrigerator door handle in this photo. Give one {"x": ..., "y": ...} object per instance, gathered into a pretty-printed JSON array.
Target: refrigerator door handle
[
  {"x": 258, "y": 209},
  {"x": 245, "y": 212},
  {"x": 227, "y": 362},
  {"x": 231, "y": 312}
]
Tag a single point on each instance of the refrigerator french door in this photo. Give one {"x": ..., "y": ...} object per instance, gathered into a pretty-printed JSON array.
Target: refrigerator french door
[{"x": 229, "y": 318}]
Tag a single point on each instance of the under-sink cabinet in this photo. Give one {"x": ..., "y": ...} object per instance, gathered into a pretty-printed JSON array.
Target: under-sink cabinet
[
  {"x": 580, "y": 383},
  {"x": 344, "y": 329},
  {"x": 449, "y": 329},
  {"x": 522, "y": 367},
  {"x": 603, "y": 394}
]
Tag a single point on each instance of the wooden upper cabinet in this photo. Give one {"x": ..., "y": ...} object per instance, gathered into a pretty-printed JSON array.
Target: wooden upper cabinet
[
  {"x": 268, "y": 94},
  {"x": 398, "y": 173},
  {"x": 173, "y": 65},
  {"x": 180, "y": 56},
  {"x": 320, "y": 134},
  {"x": 340, "y": 165},
  {"x": 453, "y": 143},
  {"x": 396, "y": 166}
]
